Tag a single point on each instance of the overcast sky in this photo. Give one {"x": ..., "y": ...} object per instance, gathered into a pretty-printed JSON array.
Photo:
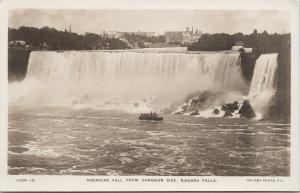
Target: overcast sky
[{"x": 211, "y": 21}]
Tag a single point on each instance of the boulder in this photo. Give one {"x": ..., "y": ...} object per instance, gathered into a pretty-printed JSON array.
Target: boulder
[
  {"x": 200, "y": 100},
  {"x": 227, "y": 114},
  {"x": 216, "y": 111},
  {"x": 231, "y": 107},
  {"x": 246, "y": 110}
]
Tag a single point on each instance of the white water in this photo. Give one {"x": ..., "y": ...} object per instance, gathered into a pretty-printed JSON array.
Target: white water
[
  {"x": 261, "y": 92},
  {"x": 264, "y": 75},
  {"x": 85, "y": 66},
  {"x": 139, "y": 81},
  {"x": 112, "y": 77},
  {"x": 263, "y": 84}
]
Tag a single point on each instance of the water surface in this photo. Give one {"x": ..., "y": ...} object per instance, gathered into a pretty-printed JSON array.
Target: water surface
[{"x": 66, "y": 141}]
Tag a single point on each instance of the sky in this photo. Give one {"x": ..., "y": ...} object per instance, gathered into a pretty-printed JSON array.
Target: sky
[{"x": 159, "y": 21}]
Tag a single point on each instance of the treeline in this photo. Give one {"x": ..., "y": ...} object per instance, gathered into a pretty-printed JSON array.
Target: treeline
[
  {"x": 63, "y": 40},
  {"x": 260, "y": 42}
]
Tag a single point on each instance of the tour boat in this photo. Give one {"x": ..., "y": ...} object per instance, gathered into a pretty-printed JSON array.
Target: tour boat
[{"x": 150, "y": 117}]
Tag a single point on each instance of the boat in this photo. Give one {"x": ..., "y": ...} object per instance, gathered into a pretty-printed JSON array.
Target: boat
[{"x": 150, "y": 117}]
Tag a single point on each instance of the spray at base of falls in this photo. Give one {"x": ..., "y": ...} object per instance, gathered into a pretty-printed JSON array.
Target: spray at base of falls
[
  {"x": 134, "y": 81},
  {"x": 261, "y": 93}
]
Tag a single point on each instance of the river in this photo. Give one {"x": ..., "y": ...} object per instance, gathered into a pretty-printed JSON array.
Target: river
[{"x": 49, "y": 140}]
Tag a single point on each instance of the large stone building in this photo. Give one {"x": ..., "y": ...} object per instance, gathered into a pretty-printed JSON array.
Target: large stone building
[{"x": 183, "y": 37}]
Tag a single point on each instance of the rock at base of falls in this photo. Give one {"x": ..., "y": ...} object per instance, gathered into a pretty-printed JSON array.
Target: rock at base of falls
[
  {"x": 195, "y": 102},
  {"x": 216, "y": 111},
  {"x": 246, "y": 110},
  {"x": 230, "y": 108},
  {"x": 209, "y": 104}
]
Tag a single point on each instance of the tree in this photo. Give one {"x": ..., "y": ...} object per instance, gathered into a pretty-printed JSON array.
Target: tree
[
  {"x": 260, "y": 42},
  {"x": 140, "y": 44},
  {"x": 63, "y": 40}
]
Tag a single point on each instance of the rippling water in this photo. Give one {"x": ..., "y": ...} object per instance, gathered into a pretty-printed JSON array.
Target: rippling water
[{"x": 61, "y": 140}]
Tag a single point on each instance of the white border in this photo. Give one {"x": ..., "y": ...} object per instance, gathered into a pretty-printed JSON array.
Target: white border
[{"x": 78, "y": 183}]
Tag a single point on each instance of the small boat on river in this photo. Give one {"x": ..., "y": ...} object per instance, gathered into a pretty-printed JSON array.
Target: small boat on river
[{"x": 150, "y": 117}]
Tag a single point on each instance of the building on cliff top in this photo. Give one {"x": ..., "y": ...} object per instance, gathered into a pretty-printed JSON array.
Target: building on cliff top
[{"x": 183, "y": 37}]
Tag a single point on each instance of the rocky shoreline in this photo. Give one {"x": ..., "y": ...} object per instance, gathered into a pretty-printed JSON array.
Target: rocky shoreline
[{"x": 207, "y": 104}]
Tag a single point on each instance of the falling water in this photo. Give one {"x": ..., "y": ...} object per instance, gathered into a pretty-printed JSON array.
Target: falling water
[
  {"x": 264, "y": 76},
  {"x": 91, "y": 66},
  {"x": 99, "y": 76},
  {"x": 263, "y": 84}
]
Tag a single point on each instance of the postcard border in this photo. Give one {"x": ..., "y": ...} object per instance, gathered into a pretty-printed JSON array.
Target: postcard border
[{"x": 79, "y": 183}]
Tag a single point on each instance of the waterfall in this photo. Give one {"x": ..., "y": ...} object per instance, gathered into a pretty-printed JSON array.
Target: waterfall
[
  {"x": 133, "y": 75},
  {"x": 261, "y": 92},
  {"x": 93, "y": 66},
  {"x": 264, "y": 76},
  {"x": 264, "y": 81}
]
